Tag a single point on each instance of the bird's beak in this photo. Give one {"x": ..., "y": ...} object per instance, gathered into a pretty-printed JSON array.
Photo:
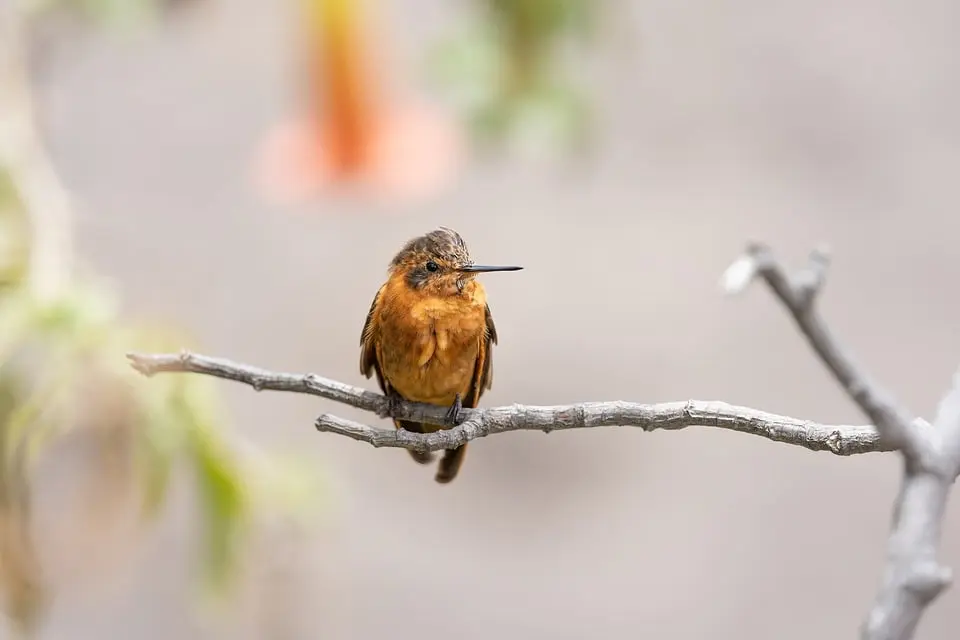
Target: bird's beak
[{"x": 477, "y": 268}]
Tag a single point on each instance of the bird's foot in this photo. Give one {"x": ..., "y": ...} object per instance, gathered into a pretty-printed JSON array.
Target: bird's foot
[
  {"x": 392, "y": 406},
  {"x": 421, "y": 457},
  {"x": 452, "y": 418}
]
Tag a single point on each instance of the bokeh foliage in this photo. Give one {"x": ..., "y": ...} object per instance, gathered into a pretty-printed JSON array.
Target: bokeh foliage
[
  {"x": 509, "y": 72},
  {"x": 62, "y": 368},
  {"x": 64, "y": 377}
]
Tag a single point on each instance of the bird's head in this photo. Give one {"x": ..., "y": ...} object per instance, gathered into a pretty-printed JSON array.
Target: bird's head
[{"x": 438, "y": 263}]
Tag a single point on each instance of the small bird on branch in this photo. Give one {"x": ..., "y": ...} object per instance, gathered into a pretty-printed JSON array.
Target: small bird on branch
[{"x": 429, "y": 334}]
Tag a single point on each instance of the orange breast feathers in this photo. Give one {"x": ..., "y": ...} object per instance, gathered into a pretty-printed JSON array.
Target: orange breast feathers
[{"x": 428, "y": 345}]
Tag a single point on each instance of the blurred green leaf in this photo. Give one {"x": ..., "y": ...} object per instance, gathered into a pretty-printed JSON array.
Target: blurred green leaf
[
  {"x": 290, "y": 484},
  {"x": 17, "y": 315},
  {"x": 80, "y": 339},
  {"x": 504, "y": 72},
  {"x": 220, "y": 484},
  {"x": 552, "y": 113},
  {"x": 121, "y": 15},
  {"x": 33, "y": 422},
  {"x": 157, "y": 450},
  {"x": 14, "y": 248},
  {"x": 225, "y": 507}
]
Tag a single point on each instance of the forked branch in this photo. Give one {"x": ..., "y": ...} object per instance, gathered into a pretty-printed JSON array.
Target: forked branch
[{"x": 913, "y": 577}]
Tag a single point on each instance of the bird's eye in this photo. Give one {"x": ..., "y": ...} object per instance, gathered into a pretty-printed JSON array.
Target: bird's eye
[{"x": 432, "y": 266}]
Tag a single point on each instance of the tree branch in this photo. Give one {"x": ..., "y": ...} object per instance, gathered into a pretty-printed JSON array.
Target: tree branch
[
  {"x": 478, "y": 423},
  {"x": 913, "y": 577},
  {"x": 798, "y": 294}
]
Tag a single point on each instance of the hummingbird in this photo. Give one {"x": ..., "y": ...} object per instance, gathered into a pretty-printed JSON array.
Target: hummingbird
[{"x": 429, "y": 334}]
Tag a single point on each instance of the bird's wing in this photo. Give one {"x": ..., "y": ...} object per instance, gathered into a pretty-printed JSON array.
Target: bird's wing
[
  {"x": 483, "y": 371},
  {"x": 369, "y": 364}
]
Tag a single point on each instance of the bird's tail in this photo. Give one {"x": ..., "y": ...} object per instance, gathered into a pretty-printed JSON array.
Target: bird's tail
[
  {"x": 421, "y": 457},
  {"x": 450, "y": 464},
  {"x": 451, "y": 461}
]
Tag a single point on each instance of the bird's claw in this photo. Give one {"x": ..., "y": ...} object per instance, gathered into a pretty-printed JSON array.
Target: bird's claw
[
  {"x": 392, "y": 406},
  {"x": 452, "y": 418}
]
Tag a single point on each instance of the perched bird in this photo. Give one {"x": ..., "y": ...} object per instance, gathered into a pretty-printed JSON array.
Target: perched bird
[{"x": 429, "y": 333}]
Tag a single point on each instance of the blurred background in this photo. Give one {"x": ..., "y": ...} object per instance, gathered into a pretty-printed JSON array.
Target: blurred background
[{"x": 232, "y": 176}]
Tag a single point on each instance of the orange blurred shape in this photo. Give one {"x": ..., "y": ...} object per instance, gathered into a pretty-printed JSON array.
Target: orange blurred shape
[{"x": 352, "y": 133}]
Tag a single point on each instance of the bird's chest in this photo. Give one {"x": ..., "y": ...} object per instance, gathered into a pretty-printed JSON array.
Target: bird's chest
[{"x": 429, "y": 350}]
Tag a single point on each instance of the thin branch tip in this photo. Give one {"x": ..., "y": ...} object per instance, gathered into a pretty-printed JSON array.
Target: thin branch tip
[
  {"x": 738, "y": 275},
  {"x": 139, "y": 364},
  {"x": 757, "y": 248},
  {"x": 822, "y": 253}
]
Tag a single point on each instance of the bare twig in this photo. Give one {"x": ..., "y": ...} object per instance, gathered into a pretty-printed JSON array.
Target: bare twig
[
  {"x": 913, "y": 577},
  {"x": 478, "y": 423}
]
